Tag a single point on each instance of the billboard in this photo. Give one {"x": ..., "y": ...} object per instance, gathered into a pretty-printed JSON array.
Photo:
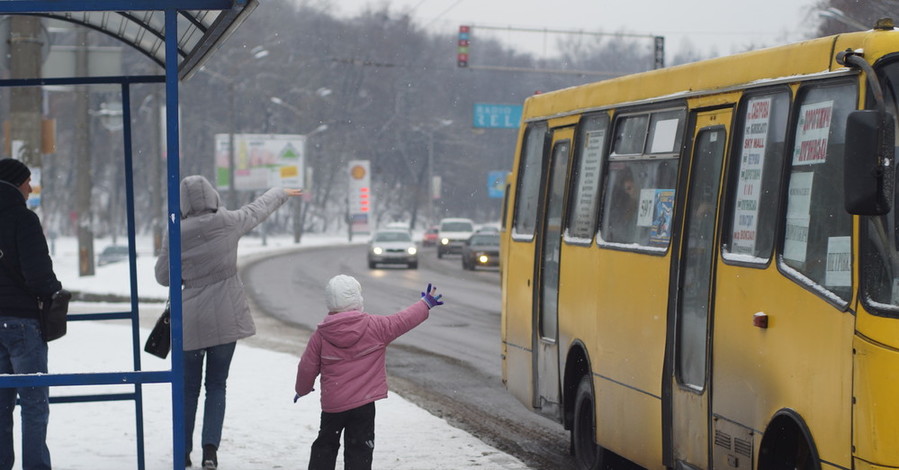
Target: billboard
[{"x": 261, "y": 161}]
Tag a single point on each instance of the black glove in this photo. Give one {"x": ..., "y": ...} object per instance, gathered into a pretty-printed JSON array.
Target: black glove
[{"x": 428, "y": 297}]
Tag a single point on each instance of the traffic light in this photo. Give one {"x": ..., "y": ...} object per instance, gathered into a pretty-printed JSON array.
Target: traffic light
[
  {"x": 462, "y": 55},
  {"x": 659, "y": 52}
]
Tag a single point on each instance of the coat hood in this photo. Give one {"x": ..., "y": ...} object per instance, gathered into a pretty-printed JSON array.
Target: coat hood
[
  {"x": 344, "y": 329},
  {"x": 343, "y": 293},
  {"x": 198, "y": 197}
]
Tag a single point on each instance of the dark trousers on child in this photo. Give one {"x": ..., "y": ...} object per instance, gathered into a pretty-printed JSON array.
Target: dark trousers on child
[{"x": 358, "y": 426}]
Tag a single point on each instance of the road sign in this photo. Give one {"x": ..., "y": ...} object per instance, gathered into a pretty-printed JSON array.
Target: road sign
[
  {"x": 503, "y": 116},
  {"x": 496, "y": 183}
]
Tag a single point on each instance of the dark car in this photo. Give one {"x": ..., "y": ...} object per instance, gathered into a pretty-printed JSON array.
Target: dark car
[
  {"x": 481, "y": 249},
  {"x": 112, "y": 254}
]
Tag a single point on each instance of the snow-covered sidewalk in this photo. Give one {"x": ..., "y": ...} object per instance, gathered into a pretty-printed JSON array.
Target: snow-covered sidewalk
[{"x": 263, "y": 429}]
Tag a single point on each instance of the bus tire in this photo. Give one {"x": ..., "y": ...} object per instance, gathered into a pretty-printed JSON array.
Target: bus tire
[
  {"x": 787, "y": 445},
  {"x": 587, "y": 455}
]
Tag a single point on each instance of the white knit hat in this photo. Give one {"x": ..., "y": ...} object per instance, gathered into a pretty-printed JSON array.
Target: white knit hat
[{"x": 343, "y": 293}]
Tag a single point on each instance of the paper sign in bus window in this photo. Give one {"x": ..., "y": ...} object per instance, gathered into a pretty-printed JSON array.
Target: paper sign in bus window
[
  {"x": 660, "y": 232},
  {"x": 749, "y": 182},
  {"x": 838, "y": 272},
  {"x": 664, "y": 135},
  {"x": 646, "y": 206},
  {"x": 798, "y": 205},
  {"x": 812, "y": 132},
  {"x": 588, "y": 186}
]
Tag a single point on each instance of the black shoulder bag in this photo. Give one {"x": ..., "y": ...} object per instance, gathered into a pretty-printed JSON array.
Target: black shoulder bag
[
  {"x": 53, "y": 315},
  {"x": 160, "y": 340}
]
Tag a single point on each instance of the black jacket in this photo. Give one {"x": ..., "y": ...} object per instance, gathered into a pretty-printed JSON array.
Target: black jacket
[{"x": 23, "y": 250}]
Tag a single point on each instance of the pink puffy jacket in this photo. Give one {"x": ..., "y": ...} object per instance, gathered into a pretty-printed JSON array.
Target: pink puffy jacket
[{"x": 348, "y": 349}]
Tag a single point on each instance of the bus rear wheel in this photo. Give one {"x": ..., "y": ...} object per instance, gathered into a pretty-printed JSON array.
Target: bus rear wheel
[{"x": 587, "y": 455}]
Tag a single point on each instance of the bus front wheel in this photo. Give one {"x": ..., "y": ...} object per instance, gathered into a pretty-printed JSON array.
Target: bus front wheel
[{"x": 587, "y": 454}]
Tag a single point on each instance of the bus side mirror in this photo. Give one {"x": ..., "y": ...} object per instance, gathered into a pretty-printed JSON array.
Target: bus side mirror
[{"x": 868, "y": 167}]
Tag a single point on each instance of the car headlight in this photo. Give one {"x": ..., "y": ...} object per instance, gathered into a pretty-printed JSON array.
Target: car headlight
[
  {"x": 411, "y": 250},
  {"x": 444, "y": 241},
  {"x": 483, "y": 258},
  {"x": 377, "y": 250}
]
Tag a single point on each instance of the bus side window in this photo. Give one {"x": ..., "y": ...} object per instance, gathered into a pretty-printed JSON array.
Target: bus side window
[
  {"x": 591, "y": 143},
  {"x": 818, "y": 230},
  {"x": 641, "y": 178},
  {"x": 527, "y": 195},
  {"x": 756, "y": 173}
]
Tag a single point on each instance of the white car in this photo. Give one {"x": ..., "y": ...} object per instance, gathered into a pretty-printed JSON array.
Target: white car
[
  {"x": 452, "y": 234},
  {"x": 392, "y": 247}
]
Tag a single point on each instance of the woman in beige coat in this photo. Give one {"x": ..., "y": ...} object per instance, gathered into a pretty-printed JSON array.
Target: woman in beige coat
[{"x": 215, "y": 309}]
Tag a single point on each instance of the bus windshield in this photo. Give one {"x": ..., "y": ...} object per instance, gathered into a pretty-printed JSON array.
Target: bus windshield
[{"x": 880, "y": 254}]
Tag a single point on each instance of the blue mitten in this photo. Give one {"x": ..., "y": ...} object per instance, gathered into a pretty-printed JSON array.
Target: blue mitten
[{"x": 428, "y": 297}]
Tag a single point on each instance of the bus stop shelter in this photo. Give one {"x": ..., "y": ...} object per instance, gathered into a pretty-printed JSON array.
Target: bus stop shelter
[{"x": 179, "y": 35}]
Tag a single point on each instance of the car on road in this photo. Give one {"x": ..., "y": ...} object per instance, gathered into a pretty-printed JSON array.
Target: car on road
[
  {"x": 392, "y": 247},
  {"x": 487, "y": 228},
  {"x": 112, "y": 254},
  {"x": 429, "y": 238},
  {"x": 481, "y": 249},
  {"x": 451, "y": 235}
]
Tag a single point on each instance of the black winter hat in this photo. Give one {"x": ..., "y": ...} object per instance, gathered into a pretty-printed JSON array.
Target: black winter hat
[{"x": 13, "y": 171}]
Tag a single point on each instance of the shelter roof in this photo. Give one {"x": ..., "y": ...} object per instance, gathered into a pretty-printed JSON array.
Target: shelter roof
[{"x": 202, "y": 24}]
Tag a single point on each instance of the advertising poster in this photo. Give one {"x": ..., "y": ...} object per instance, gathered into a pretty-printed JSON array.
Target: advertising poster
[
  {"x": 660, "y": 231},
  {"x": 261, "y": 161}
]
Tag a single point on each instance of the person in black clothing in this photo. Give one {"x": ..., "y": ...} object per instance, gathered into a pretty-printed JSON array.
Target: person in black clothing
[{"x": 26, "y": 276}]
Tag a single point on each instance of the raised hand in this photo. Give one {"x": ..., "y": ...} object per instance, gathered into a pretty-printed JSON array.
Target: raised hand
[{"x": 428, "y": 297}]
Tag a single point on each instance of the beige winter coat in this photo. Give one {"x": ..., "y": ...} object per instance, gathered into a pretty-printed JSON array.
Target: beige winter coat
[{"x": 215, "y": 309}]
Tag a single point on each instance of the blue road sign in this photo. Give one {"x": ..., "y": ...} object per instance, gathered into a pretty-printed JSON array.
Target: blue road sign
[
  {"x": 496, "y": 183},
  {"x": 503, "y": 116}
]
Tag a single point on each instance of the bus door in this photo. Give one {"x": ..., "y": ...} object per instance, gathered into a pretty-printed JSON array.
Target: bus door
[
  {"x": 546, "y": 275},
  {"x": 694, "y": 291}
]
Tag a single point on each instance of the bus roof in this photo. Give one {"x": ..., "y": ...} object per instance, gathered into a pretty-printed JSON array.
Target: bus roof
[{"x": 805, "y": 58}]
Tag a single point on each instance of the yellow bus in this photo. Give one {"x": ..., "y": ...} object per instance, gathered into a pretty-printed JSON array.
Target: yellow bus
[{"x": 700, "y": 265}]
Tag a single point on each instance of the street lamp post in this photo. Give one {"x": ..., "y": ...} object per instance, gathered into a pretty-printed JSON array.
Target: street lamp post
[
  {"x": 840, "y": 17},
  {"x": 431, "y": 190},
  {"x": 299, "y": 216},
  {"x": 257, "y": 52},
  {"x": 430, "y": 179}
]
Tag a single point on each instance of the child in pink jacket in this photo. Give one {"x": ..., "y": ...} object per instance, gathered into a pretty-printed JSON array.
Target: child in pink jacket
[{"x": 348, "y": 349}]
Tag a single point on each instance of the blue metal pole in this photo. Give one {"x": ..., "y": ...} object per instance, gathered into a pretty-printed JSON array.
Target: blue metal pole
[
  {"x": 132, "y": 260},
  {"x": 174, "y": 223}
]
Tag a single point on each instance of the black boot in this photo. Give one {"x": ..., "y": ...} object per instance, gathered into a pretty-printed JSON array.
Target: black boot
[
  {"x": 187, "y": 462},
  {"x": 210, "y": 461}
]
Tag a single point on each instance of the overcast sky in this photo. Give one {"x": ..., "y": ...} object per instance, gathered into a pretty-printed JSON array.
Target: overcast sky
[{"x": 713, "y": 26}]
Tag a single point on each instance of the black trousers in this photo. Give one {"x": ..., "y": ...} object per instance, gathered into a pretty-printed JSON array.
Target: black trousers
[{"x": 359, "y": 439}]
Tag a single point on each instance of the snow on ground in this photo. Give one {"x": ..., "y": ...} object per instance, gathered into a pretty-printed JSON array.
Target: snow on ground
[{"x": 263, "y": 429}]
